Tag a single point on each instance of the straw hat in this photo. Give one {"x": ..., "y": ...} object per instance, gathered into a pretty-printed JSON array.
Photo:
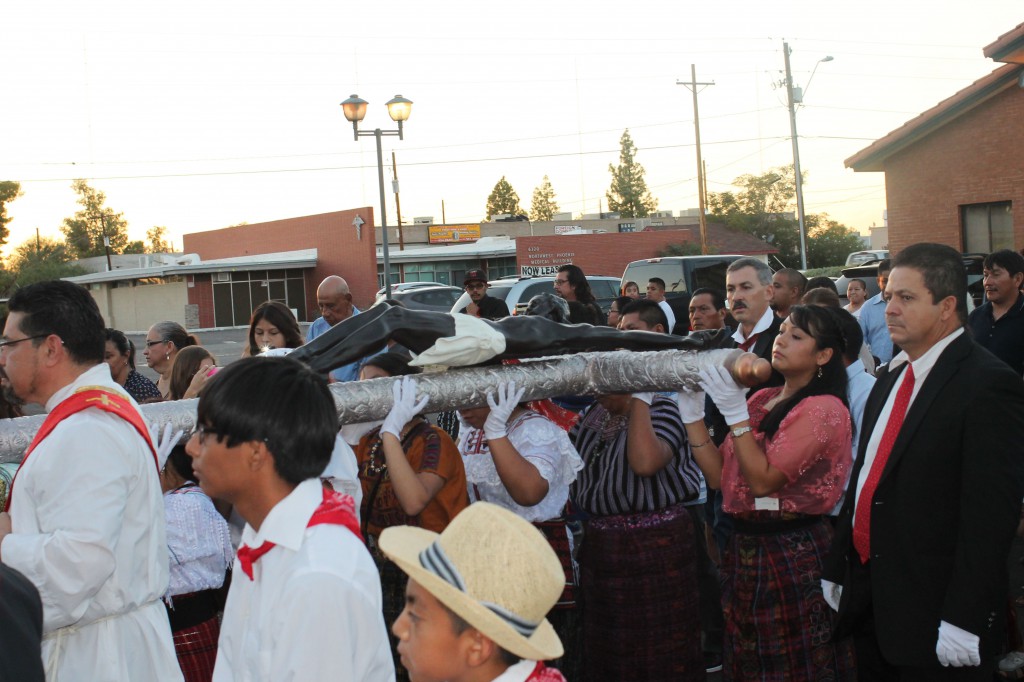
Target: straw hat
[{"x": 493, "y": 569}]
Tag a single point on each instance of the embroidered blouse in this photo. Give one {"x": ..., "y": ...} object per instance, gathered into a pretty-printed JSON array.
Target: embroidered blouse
[
  {"x": 811, "y": 447},
  {"x": 198, "y": 541},
  {"x": 543, "y": 444}
]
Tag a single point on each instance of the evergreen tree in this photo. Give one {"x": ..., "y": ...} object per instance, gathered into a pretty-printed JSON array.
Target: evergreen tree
[
  {"x": 9, "y": 191},
  {"x": 543, "y": 206},
  {"x": 503, "y": 199},
  {"x": 628, "y": 193},
  {"x": 84, "y": 232}
]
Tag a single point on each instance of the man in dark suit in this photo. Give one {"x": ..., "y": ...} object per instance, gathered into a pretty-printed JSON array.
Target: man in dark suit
[
  {"x": 748, "y": 288},
  {"x": 917, "y": 569}
]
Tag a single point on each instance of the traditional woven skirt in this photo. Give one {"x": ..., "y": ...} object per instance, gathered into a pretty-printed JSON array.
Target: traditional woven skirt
[
  {"x": 638, "y": 585},
  {"x": 196, "y": 628},
  {"x": 777, "y": 624},
  {"x": 565, "y": 617},
  {"x": 392, "y": 589}
]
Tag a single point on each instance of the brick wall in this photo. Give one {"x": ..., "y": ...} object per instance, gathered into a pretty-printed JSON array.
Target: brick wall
[
  {"x": 978, "y": 158},
  {"x": 609, "y": 253},
  {"x": 332, "y": 234}
]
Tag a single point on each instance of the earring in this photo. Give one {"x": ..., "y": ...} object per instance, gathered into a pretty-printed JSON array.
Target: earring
[
  {"x": 167, "y": 356},
  {"x": 819, "y": 371}
]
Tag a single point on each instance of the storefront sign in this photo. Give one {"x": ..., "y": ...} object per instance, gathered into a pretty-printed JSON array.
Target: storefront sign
[{"x": 448, "y": 234}]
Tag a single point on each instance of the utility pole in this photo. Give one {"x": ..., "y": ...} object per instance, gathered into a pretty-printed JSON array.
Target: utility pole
[
  {"x": 398, "y": 204},
  {"x": 796, "y": 160},
  {"x": 692, "y": 85},
  {"x": 443, "y": 220}
]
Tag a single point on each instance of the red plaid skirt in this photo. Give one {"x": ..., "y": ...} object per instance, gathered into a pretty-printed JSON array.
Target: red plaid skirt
[{"x": 196, "y": 648}]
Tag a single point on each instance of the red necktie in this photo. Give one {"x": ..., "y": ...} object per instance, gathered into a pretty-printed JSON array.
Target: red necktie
[
  {"x": 749, "y": 343},
  {"x": 862, "y": 517},
  {"x": 335, "y": 509}
]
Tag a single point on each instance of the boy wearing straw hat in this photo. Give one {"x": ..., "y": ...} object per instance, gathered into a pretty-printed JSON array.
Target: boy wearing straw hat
[{"x": 477, "y": 598}]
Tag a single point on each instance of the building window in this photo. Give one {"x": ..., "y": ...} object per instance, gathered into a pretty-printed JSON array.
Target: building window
[
  {"x": 236, "y": 294},
  {"x": 987, "y": 227},
  {"x": 501, "y": 267}
]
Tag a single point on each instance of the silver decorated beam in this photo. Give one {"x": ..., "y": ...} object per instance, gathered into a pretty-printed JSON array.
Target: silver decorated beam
[{"x": 580, "y": 374}]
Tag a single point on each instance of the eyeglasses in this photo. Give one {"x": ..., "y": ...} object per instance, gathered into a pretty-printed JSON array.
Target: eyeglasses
[
  {"x": 5, "y": 342},
  {"x": 201, "y": 431},
  {"x": 561, "y": 281},
  {"x": 476, "y": 285},
  {"x": 150, "y": 344}
]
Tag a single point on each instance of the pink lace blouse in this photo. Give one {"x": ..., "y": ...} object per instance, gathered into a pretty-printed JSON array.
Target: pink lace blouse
[{"x": 811, "y": 447}]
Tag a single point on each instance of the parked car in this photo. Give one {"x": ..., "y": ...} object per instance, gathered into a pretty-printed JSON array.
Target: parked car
[
  {"x": 682, "y": 275},
  {"x": 973, "y": 263},
  {"x": 405, "y": 286},
  {"x": 437, "y": 298},
  {"x": 862, "y": 257},
  {"x": 517, "y": 292}
]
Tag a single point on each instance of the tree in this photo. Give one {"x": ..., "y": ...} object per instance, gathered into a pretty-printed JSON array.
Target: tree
[
  {"x": 829, "y": 242},
  {"x": 503, "y": 199},
  {"x": 135, "y": 246},
  {"x": 40, "y": 260},
  {"x": 157, "y": 238},
  {"x": 762, "y": 207},
  {"x": 84, "y": 232},
  {"x": 543, "y": 206},
  {"x": 9, "y": 191},
  {"x": 628, "y": 193}
]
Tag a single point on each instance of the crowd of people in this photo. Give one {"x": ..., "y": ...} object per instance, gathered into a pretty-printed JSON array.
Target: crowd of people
[{"x": 848, "y": 518}]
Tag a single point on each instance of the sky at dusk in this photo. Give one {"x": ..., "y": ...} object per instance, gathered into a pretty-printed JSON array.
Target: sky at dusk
[{"x": 200, "y": 115}]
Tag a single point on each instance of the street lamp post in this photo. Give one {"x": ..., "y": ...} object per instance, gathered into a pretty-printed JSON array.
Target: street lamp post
[{"x": 399, "y": 109}]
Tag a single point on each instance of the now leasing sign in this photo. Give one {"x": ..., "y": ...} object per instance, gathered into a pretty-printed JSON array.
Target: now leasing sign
[{"x": 538, "y": 270}]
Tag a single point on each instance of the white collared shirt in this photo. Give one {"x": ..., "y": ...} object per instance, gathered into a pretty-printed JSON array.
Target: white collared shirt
[
  {"x": 313, "y": 608},
  {"x": 922, "y": 367},
  {"x": 88, "y": 531},
  {"x": 762, "y": 324}
]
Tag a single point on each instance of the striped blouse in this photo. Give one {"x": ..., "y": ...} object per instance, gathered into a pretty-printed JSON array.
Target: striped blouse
[{"x": 607, "y": 485}]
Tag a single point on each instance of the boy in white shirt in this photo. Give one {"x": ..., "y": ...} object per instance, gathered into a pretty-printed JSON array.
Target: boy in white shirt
[{"x": 305, "y": 601}]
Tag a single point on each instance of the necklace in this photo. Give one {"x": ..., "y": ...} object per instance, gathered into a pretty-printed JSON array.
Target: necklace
[
  {"x": 372, "y": 466},
  {"x": 607, "y": 431}
]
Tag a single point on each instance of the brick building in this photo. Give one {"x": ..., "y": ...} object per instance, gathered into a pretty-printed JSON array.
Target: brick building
[{"x": 955, "y": 174}]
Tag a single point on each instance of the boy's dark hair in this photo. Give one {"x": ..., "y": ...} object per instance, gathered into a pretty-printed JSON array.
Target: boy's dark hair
[
  {"x": 181, "y": 462},
  {"x": 64, "y": 309},
  {"x": 650, "y": 313},
  {"x": 279, "y": 401},
  {"x": 658, "y": 282},
  {"x": 852, "y": 334},
  {"x": 717, "y": 296},
  {"x": 821, "y": 281},
  {"x": 459, "y": 625},
  {"x": 821, "y": 296},
  {"x": 941, "y": 268}
]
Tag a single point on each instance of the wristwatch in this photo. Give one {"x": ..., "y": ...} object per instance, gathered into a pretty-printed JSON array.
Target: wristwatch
[{"x": 740, "y": 430}]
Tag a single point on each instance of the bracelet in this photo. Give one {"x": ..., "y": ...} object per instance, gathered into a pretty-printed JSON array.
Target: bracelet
[{"x": 700, "y": 445}]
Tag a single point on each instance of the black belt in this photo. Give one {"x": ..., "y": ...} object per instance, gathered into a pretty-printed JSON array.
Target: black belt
[
  {"x": 773, "y": 526},
  {"x": 189, "y": 610}
]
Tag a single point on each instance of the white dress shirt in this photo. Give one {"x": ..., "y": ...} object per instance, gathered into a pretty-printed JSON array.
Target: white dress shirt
[
  {"x": 313, "y": 608},
  {"x": 922, "y": 367},
  {"x": 88, "y": 531},
  {"x": 762, "y": 324}
]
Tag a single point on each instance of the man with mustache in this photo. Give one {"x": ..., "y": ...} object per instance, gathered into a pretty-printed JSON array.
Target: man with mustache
[
  {"x": 998, "y": 325},
  {"x": 748, "y": 288}
]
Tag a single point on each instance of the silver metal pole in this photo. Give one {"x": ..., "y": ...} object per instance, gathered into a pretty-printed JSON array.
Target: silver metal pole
[{"x": 362, "y": 401}]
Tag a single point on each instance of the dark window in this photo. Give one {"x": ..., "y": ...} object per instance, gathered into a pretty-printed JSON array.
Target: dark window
[{"x": 987, "y": 227}]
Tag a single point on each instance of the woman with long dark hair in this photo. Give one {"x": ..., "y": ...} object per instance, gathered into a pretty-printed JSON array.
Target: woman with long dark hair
[
  {"x": 572, "y": 285},
  {"x": 781, "y": 470},
  {"x": 272, "y": 325},
  {"x": 192, "y": 367}
]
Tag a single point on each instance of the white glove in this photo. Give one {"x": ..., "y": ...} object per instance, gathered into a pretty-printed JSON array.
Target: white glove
[
  {"x": 405, "y": 408},
  {"x": 691, "y": 406},
  {"x": 497, "y": 421},
  {"x": 957, "y": 647},
  {"x": 730, "y": 398},
  {"x": 165, "y": 443},
  {"x": 832, "y": 593},
  {"x": 646, "y": 396}
]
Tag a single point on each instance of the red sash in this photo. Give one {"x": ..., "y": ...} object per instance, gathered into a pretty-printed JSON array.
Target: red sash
[
  {"x": 88, "y": 396},
  {"x": 335, "y": 509},
  {"x": 542, "y": 673}
]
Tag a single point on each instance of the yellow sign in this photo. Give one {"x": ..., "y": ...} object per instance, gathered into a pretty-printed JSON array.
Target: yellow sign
[{"x": 447, "y": 234}]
